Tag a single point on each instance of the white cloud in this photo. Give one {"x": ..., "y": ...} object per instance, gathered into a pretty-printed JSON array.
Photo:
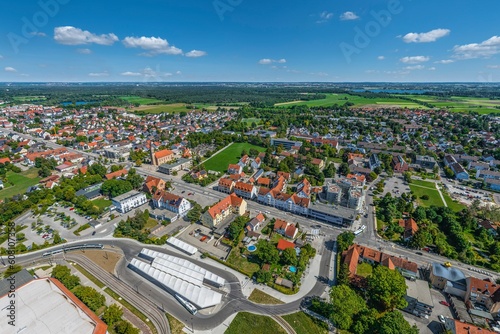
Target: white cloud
[
  {"x": 131, "y": 74},
  {"x": 196, "y": 53},
  {"x": 425, "y": 37},
  {"x": 485, "y": 49},
  {"x": 348, "y": 16},
  {"x": 381, "y": 57},
  {"x": 69, "y": 35},
  {"x": 84, "y": 51},
  {"x": 154, "y": 45},
  {"x": 414, "y": 59},
  {"x": 10, "y": 69},
  {"x": 267, "y": 61},
  {"x": 99, "y": 74},
  {"x": 38, "y": 33},
  {"x": 415, "y": 67},
  {"x": 178, "y": 72},
  {"x": 444, "y": 61},
  {"x": 432, "y": 68},
  {"x": 493, "y": 66},
  {"x": 324, "y": 17}
]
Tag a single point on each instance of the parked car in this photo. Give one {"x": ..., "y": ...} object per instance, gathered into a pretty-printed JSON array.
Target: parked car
[
  {"x": 93, "y": 233},
  {"x": 445, "y": 303},
  {"x": 418, "y": 253},
  {"x": 441, "y": 318}
]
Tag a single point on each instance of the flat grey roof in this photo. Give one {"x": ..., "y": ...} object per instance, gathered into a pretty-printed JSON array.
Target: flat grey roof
[
  {"x": 21, "y": 278},
  {"x": 335, "y": 210},
  {"x": 420, "y": 291},
  {"x": 131, "y": 193}
]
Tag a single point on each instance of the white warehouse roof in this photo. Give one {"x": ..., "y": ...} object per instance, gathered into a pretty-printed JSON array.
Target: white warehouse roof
[
  {"x": 208, "y": 275},
  {"x": 198, "y": 295},
  {"x": 176, "y": 270},
  {"x": 42, "y": 307},
  {"x": 182, "y": 245}
]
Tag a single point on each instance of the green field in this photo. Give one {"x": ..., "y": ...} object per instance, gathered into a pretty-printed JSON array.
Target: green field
[
  {"x": 304, "y": 324},
  {"x": 21, "y": 181},
  {"x": 140, "y": 100},
  {"x": 235, "y": 259},
  {"x": 434, "y": 198},
  {"x": 102, "y": 203},
  {"x": 260, "y": 297},
  {"x": 455, "y": 206},
  {"x": 250, "y": 323},
  {"x": 171, "y": 108},
  {"x": 423, "y": 183},
  {"x": 454, "y": 104},
  {"x": 364, "y": 269},
  {"x": 230, "y": 155},
  {"x": 251, "y": 120},
  {"x": 29, "y": 98}
]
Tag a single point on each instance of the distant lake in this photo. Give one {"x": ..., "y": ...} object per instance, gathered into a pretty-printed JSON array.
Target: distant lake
[
  {"x": 391, "y": 91},
  {"x": 78, "y": 103}
]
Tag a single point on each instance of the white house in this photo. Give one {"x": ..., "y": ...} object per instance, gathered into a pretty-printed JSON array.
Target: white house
[
  {"x": 171, "y": 202},
  {"x": 128, "y": 201}
]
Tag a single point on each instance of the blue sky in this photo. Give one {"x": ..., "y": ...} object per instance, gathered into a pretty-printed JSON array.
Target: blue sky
[{"x": 243, "y": 40}]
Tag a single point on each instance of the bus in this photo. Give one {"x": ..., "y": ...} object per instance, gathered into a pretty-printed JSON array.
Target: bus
[
  {"x": 186, "y": 304},
  {"x": 360, "y": 230}
]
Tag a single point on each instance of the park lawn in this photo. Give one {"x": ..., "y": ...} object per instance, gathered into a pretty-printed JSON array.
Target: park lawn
[
  {"x": 235, "y": 259},
  {"x": 260, "y": 297},
  {"x": 304, "y": 324},
  {"x": 176, "y": 326},
  {"x": 250, "y": 120},
  {"x": 452, "y": 204},
  {"x": 364, "y": 269},
  {"x": 150, "y": 224},
  {"x": 434, "y": 198},
  {"x": 140, "y": 100},
  {"x": 250, "y": 323},
  {"x": 101, "y": 203},
  {"x": 22, "y": 181},
  {"x": 423, "y": 183},
  {"x": 230, "y": 155}
]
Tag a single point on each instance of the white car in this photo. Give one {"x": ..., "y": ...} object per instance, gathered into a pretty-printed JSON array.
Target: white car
[{"x": 441, "y": 318}]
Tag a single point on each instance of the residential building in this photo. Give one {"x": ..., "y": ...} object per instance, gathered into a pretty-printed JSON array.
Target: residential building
[
  {"x": 425, "y": 161},
  {"x": 221, "y": 210},
  {"x": 171, "y": 202},
  {"x": 481, "y": 291},
  {"x": 478, "y": 165},
  {"x": 374, "y": 161},
  {"x": 488, "y": 174},
  {"x": 234, "y": 169},
  {"x": 355, "y": 200},
  {"x": 399, "y": 165},
  {"x": 304, "y": 189},
  {"x": 255, "y": 223},
  {"x": 285, "y": 143},
  {"x": 356, "y": 253},
  {"x": 117, "y": 174},
  {"x": 410, "y": 228},
  {"x": 488, "y": 226},
  {"x": 128, "y": 201},
  {"x": 284, "y": 244},
  {"x": 449, "y": 279},
  {"x": 285, "y": 228},
  {"x": 457, "y": 169},
  {"x": 225, "y": 185},
  {"x": 161, "y": 157},
  {"x": 492, "y": 184},
  {"x": 170, "y": 168},
  {"x": 245, "y": 190},
  {"x": 153, "y": 184},
  {"x": 457, "y": 327}
]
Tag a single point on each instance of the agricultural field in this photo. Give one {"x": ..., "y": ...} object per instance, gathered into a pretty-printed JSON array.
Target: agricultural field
[
  {"x": 22, "y": 181},
  {"x": 250, "y": 323},
  {"x": 171, "y": 108},
  {"x": 251, "y": 120},
  {"x": 358, "y": 101},
  {"x": 460, "y": 104},
  {"x": 30, "y": 98},
  {"x": 230, "y": 155},
  {"x": 140, "y": 100}
]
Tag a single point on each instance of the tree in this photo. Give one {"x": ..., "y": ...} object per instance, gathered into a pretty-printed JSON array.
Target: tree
[
  {"x": 89, "y": 296},
  {"x": 365, "y": 321},
  {"x": 289, "y": 257},
  {"x": 263, "y": 276},
  {"x": 112, "y": 315},
  {"x": 267, "y": 252},
  {"x": 344, "y": 169},
  {"x": 344, "y": 240},
  {"x": 346, "y": 304},
  {"x": 394, "y": 323},
  {"x": 407, "y": 177},
  {"x": 194, "y": 214},
  {"x": 125, "y": 327},
  {"x": 387, "y": 288},
  {"x": 97, "y": 169},
  {"x": 343, "y": 276},
  {"x": 115, "y": 187},
  {"x": 11, "y": 270}
]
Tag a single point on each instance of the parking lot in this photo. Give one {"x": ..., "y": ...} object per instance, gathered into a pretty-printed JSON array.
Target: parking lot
[
  {"x": 395, "y": 185},
  {"x": 467, "y": 195},
  {"x": 199, "y": 236}
]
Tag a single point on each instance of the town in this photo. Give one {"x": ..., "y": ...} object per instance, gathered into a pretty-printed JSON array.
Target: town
[{"x": 305, "y": 210}]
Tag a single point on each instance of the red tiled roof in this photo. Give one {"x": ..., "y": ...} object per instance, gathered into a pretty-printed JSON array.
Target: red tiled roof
[
  {"x": 118, "y": 173},
  {"x": 246, "y": 187},
  {"x": 163, "y": 153},
  {"x": 284, "y": 244},
  {"x": 225, "y": 204}
]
